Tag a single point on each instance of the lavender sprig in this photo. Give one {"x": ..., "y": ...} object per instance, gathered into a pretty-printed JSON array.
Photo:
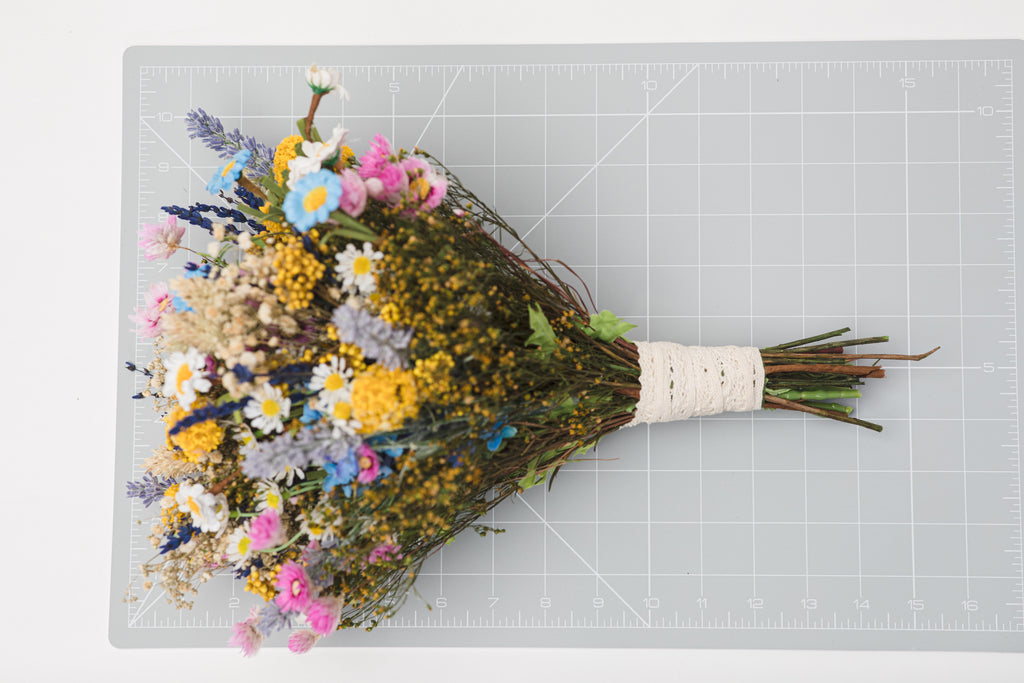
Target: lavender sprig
[
  {"x": 210, "y": 132},
  {"x": 375, "y": 338},
  {"x": 313, "y": 446},
  {"x": 150, "y": 489},
  {"x": 272, "y": 619}
]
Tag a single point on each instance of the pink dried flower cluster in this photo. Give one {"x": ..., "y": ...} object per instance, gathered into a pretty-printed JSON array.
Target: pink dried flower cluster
[{"x": 160, "y": 240}]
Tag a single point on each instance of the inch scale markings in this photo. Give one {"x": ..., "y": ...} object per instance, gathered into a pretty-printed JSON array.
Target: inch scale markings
[{"x": 710, "y": 608}]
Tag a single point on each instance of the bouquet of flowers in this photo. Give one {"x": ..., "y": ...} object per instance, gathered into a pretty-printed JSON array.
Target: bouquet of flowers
[{"x": 366, "y": 360}]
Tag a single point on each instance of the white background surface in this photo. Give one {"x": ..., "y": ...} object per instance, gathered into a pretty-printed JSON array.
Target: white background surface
[{"x": 60, "y": 169}]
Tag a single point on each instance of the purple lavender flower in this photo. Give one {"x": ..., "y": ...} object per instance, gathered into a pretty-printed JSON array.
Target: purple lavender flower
[
  {"x": 272, "y": 619},
  {"x": 210, "y": 131},
  {"x": 375, "y": 338},
  {"x": 150, "y": 489},
  {"x": 310, "y": 446}
]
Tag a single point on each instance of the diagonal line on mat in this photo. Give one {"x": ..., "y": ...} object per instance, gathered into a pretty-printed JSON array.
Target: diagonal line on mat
[
  {"x": 173, "y": 151},
  {"x": 587, "y": 564},
  {"x": 613, "y": 148},
  {"x": 143, "y": 610},
  {"x": 438, "y": 107}
]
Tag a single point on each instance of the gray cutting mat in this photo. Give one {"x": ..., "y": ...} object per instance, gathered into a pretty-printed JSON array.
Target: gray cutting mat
[{"x": 714, "y": 194}]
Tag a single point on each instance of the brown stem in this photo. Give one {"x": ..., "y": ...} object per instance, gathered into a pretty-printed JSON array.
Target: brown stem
[
  {"x": 251, "y": 187},
  {"x": 857, "y": 370},
  {"x": 313, "y": 104},
  {"x": 853, "y": 356},
  {"x": 223, "y": 483},
  {"x": 784, "y": 404}
]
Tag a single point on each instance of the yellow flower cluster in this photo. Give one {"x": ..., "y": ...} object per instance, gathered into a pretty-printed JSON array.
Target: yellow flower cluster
[
  {"x": 261, "y": 583},
  {"x": 297, "y": 272},
  {"x": 383, "y": 399},
  {"x": 433, "y": 376},
  {"x": 284, "y": 153},
  {"x": 170, "y": 517},
  {"x": 196, "y": 441}
]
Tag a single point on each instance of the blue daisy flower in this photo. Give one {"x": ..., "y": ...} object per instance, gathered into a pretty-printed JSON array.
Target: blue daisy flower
[
  {"x": 341, "y": 473},
  {"x": 311, "y": 202},
  {"x": 500, "y": 433},
  {"x": 227, "y": 174}
]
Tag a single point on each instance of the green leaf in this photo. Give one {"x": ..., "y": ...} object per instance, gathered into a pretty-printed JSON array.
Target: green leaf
[
  {"x": 246, "y": 209},
  {"x": 543, "y": 336},
  {"x": 314, "y": 136},
  {"x": 607, "y": 327},
  {"x": 352, "y": 228},
  {"x": 563, "y": 409}
]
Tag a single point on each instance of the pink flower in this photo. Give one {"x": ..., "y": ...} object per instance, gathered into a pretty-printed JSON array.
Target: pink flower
[
  {"x": 427, "y": 186},
  {"x": 369, "y": 464},
  {"x": 158, "y": 300},
  {"x": 385, "y": 553},
  {"x": 390, "y": 185},
  {"x": 302, "y": 641},
  {"x": 245, "y": 635},
  {"x": 323, "y": 615},
  {"x": 266, "y": 531},
  {"x": 160, "y": 240},
  {"x": 371, "y": 163},
  {"x": 353, "y": 193},
  {"x": 293, "y": 588}
]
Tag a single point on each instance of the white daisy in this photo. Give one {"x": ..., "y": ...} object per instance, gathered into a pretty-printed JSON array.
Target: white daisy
[
  {"x": 268, "y": 496},
  {"x": 186, "y": 376},
  {"x": 322, "y": 81},
  {"x": 267, "y": 409},
  {"x": 355, "y": 268},
  {"x": 314, "y": 154},
  {"x": 238, "y": 545},
  {"x": 330, "y": 376},
  {"x": 337, "y": 407},
  {"x": 314, "y": 526},
  {"x": 289, "y": 475},
  {"x": 209, "y": 512}
]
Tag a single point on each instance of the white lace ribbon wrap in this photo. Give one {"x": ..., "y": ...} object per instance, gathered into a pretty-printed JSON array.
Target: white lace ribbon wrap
[{"x": 678, "y": 382}]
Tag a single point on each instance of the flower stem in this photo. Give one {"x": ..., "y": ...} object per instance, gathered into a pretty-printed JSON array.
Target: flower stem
[{"x": 313, "y": 104}]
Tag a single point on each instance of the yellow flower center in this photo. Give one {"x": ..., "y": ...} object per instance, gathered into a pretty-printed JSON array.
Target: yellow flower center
[
  {"x": 184, "y": 375},
  {"x": 361, "y": 266},
  {"x": 243, "y": 545},
  {"x": 315, "y": 198},
  {"x": 193, "y": 505},
  {"x": 420, "y": 187},
  {"x": 342, "y": 410},
  {"x": 227, "y": 168},
  {"x": 273, "y": 500},
  {"x": 163, "y": 304},
  {"x": 364, "y": 463},
  {"x": 296, "y": 588},
  {"x": 270, "y": 407},
  {"x": 334, "y": 382}
]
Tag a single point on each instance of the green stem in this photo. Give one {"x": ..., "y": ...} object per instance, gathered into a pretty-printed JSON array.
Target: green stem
[
  {"x": 819, "y": 395},
  {"x": 286, "y": 544},
  {"x": 808, "y": 340},
  {"x": 837, "y": 407}
]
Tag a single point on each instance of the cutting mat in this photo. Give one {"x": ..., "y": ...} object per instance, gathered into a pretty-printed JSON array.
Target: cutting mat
[{"x": 711, "y": 194}]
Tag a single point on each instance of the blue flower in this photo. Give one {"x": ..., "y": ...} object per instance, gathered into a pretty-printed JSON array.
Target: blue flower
[
  {"x": 309, "y": 416},
  {"x": 341, "y": 473},
  {"x": 499, "y": 434},
  {"x": 311, "y": 202},
  {"x": 227, "y": 174}
]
